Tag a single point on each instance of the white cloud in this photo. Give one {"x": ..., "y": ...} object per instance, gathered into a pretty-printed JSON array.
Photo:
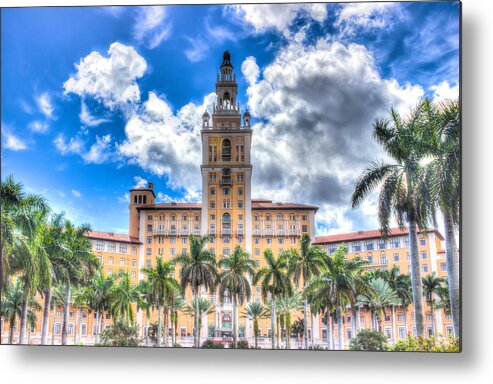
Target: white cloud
[
  {"x": 26, "y": 107},
  {"x": 356, "y": 16},
  {"x": 167, "y": 144},
  {"x": 250, "y": 69},
  {"x": 45, "y": 105},
  {"x": 315, "y": 106},
  {"x": 140, "y": 182},
  {"x": 186, "y": 198},
  {"x": 62, "y": 194},
  {"x": 124, "y": 199},
  {"x": 38, "y": 126},
  {"x": 197, "y": 51},
  {"x": 444, "y": 91},
  {"x": 72, "y": 146},
  {"x": 277, "y": 16},
  {"x": 110, "y": 80},
  {"x": 152, "y": 26},
  {"x": 87, "y": 119},
  {"x": 100, "y": 151},
  {"x": 13, "y": 142},
  {"x": 76, "y": 193}
]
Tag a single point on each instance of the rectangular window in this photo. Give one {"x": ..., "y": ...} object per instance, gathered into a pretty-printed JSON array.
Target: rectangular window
[
  {"x": 269, "y": 240},
  {"x": 172, "y": 251},
  {"x": 149, "y": 217},
  {"x": 123, "y": 248},
  {"x": 122, "y": 261},
  {"x": 212, "y": 178},
  {"x": 303, "y": 217},
  {"x": 425, "y": 268},
  {"x": 99, "y": 245},
  {"x": 443, "y": 266},
  {"x": 83, "y": 329},
  {"x": 370, "y": 259},
  {"x": 172, "y": 240},
  {"x": 213, "y": 191},
  {"x": 183, "y": 251},
  {"x": 212, "y": 204},
  {"x": 240, "y": 204},
  {"x": 396, "y": 242},
  {"x": 184, "y": 240},
  {"x": 134, "y": 250},
  {"x": 226, "y": 191},
  {"x": 382, "y": 244},
  {"x": 240, "y": 191},
  {"x": 112, "y": 247},
  {"x": 280, "y": 240},
  {"x": 396, "y": 257},
  {"x": 149, "y": 239},
  {"x": 356, "y": 246},
  {"x": 400, "y": 317},
  {"x": 225, "y": 251},
  {"x": 134, "y": 263},
  {"x": 422, "y": 241},
  {"x": 383, "y": 259},
  {"x": 149, "y": 228},
  {"x": 304, "y": 228},
  {"x": 257, "y": 252},
  {"x": 111, "y": 261},
  {"x": 402, "y": 333},
  {"x": 423, "y": 255},
  {"x": 148, "y": 263},
  {"x": 369, "y": 245},
  {"x": 256, "y": 240},
  {"x": 148, "y": 251},
  {"x": 58, "y": 328},
  {"x": 405, "y": 241}
]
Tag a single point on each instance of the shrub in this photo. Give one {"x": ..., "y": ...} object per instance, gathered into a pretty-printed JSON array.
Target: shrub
[
  {"x": 242, "y": 344},
  {"x": 368, "y": 340},
  {"x": 211, "y": 345},
  {"x": 176, "y": 345},
  {"x": 420, "y": 344},
  {"x": 121, "y": 334}
]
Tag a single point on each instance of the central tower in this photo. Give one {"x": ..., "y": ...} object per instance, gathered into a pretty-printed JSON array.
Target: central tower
[{"x": 226, "y": 168}]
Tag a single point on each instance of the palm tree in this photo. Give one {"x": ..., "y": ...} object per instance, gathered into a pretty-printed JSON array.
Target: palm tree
[
  {"x": 303, "y": 264},
  {"x": 198, "y": 268},
  {"x": 401, "y": 284},
  {"x": 441, "y": 134},
  {"x": 380, "y": 297},
  {"x": 146, "y": 303},
  {"x": 97, "y": 294},
  {"x": 255, "y": 311},
  {"x": 401, "y": 194},
  {"x": 176, "y": 304},
  {"x": 431, "y": 285},
  {"x": 84, "y": 262},
  {"x": 285, "y": 306},
  {"x": 123, "y": 295},
  {"x": 11, "y": 305},
  {"x": 161, "y": 278},
  {"x": 202, "y": 307},
  {"x": 234, "y": 280},
  {"x": 274, "y": 280}
]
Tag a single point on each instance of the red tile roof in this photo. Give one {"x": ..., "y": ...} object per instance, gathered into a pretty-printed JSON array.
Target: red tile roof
[
  {"x": 171, "y": 206},
  {"x": 372, "y": 234},
  {"x": 112, "y": 237}
]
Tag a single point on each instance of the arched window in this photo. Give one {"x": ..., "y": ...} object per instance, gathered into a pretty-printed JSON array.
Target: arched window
[
  {"x": 135, "y": 199},
  {"x": 145, "y": 199},
  {"x": 226, "y": 100},
  {"x": 226, "y": 318},
  {"x": 140, "y": 199},
  {"x": 226, "y": 150},
  {"x": 212, "y": 153}
]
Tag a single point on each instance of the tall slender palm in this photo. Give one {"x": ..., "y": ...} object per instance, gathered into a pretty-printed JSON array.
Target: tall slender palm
[
  {"x": 401, "y": 194},
  {"x": 198, "y": 269},
  {"x": 431, "y": 285},
  {"x": 202, "y": 307},
  {"x": 84, "y": 262},
  {"x": 286, "y": 305},
  {"x": 274, "y": 280},
  {"x": 97, "y": 294},
  {"x": 234, "y": 280},
  {"x": 381, "y": 296},
  {"x": 256, "y": 311},
  {"x": 123, "y": 295},
  {"x": 441, "y": 134},
  {"x": 146, "y": 303},
  {"x": 176, "y": 304},
  {"x": 163, "y": 283},
  {"x": 303, "y": 264}
]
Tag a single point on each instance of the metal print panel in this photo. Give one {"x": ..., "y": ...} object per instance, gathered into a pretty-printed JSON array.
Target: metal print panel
[{"x": 268, "y": 176}]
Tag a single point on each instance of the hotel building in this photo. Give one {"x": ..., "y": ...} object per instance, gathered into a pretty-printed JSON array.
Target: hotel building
[{"x": 231, "y": 217}]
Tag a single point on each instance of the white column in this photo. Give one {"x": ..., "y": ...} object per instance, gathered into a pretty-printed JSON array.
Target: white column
[
  {"x": 311, "y": 217},
  {"x": 142, "y": 232},
  {"x": 248, "y": 223},
  {"x": 205, "y": 201}
]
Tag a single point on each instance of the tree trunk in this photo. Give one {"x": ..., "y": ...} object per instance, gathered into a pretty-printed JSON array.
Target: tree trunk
[
  {"x": 11, "y": 332},
  {"x": 25, "y": 302},
  {"x": 147, "y": 330},
  {"x": 329, "y": 334},
  {"x": 255, "y": 332},
  {"x": 53, "y": 327},
  {"x": 333, "y": 333},
  {"x": 235, "y": 325},
  {"x": 359, "y": 318},
  {"x": 75, "y": 325},
  {"x": 159, "y": 325},
  {"x": 66, "y": 305},
  {"x": 46, "y": 317},
  {"x": 393, "y": 324},
  {"x": 339, "y": 327},
  {"x": 405, "y": 320},
  {"x": 196, "y": 319},
  {"x": 453, "y": 269},
  {"x": 96, "y": 336},
  {"x": 305, "y": 323},
  {"x": 312, "y": 317},
  {"x": 166, "y": 326},
  {"x": 416, "y": 275},
  {"x": 353, "y": 321},
  {"x": 288, "y": 331},
  {"x": 433, "y": 328},
  {"x": 273, "y": 321},
  {"x": 29, "y": 330}
]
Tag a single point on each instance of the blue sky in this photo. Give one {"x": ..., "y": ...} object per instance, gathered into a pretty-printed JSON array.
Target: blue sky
[{"x": 96, "y": 100}]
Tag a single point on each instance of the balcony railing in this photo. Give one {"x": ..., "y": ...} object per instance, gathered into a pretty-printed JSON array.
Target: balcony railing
[
  {"x": 226, "y": 181},
  {"x": 226, "y": 231},
  {"x": 240, "y": 232}
]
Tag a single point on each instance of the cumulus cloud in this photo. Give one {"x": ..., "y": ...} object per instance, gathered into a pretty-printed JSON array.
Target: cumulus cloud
[
  {"x": 45, "y": 105},
  {"x": 111, "y": 80},
  {"x": 165, "y": 143},
  {"x": 72, "y": 146},
  {"x": 444, "y": 91},
  {"x": 140, "y": 182},
  {"x": 38, "y": 126},
  {"x": 100, "y": 151},
  {"x": 152, "y": 26},
  {"x": 315, "y": 106},
  {"x": 278, "y": 17},
  {"x": 197, "y": 50},
  {"x": 250, "y": 69},
  {"x": 76, "y": 193}
]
